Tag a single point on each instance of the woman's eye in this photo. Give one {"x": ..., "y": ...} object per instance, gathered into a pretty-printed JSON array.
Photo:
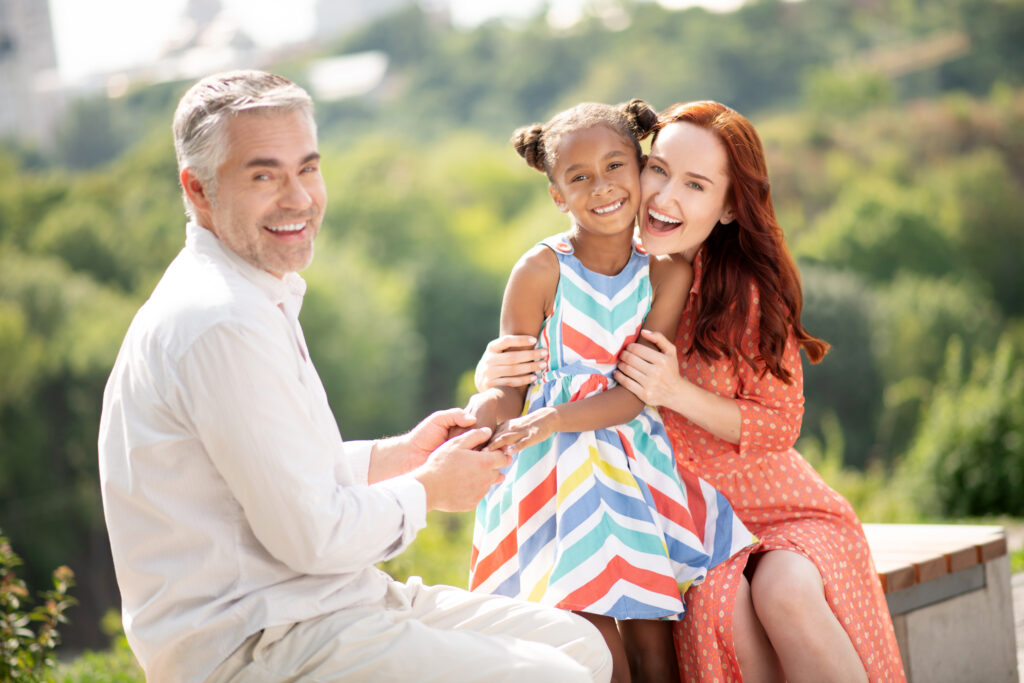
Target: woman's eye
[{"x": 695, "y": 185}]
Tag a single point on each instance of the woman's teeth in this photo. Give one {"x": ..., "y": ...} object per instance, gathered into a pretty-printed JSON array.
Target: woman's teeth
[{"x": 662, "y": 217}]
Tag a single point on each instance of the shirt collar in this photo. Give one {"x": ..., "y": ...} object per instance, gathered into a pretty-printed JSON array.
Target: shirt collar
[{"x": 285, "y": 292}]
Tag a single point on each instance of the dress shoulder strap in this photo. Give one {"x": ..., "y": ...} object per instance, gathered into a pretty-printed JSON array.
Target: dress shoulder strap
[{"x": 559, "y": 244}]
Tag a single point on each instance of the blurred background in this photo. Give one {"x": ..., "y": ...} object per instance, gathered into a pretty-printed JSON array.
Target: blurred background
[{"x": 894, "y": 131}]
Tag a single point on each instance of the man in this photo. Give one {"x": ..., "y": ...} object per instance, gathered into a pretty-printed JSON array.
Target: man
[{"x": 243, "y": 531}]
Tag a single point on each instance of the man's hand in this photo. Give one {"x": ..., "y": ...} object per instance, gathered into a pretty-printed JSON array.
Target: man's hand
[
  {"x": 400, "y": 454},
  {"x": 456, "y": 477}
]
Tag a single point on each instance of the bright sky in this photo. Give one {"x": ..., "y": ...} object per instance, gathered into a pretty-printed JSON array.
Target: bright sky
[{"x": 104, "y": 35}]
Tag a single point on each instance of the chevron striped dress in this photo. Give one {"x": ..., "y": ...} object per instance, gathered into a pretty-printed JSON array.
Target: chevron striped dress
[{"x": 599, "y": 521}]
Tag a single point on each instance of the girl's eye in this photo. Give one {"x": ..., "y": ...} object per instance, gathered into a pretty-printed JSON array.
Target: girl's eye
[
  {"x": 578, "y": 178},
  {"x": 614, "y": 165}
]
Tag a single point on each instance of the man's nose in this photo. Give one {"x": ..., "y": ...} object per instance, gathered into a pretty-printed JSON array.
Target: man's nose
[{"x": 294, "y": 194}]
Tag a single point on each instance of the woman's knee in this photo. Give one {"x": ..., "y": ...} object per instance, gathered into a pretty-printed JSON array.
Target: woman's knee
[{"x": 785, "y": 583}]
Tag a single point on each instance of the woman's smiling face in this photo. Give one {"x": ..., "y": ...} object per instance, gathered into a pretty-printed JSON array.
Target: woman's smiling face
[{"x": 684, "y": 187}]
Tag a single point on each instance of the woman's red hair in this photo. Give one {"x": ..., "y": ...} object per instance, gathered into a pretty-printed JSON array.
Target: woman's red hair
[{"x": 748, "y": 250}]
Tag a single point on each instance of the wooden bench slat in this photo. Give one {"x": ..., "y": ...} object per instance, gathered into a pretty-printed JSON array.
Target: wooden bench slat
[
  {"x": 910, "y": 554},
  {"x": 895, "y": 575}
]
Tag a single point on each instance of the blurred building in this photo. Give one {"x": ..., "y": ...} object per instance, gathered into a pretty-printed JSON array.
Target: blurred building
[{"x": 30, "y": 97}]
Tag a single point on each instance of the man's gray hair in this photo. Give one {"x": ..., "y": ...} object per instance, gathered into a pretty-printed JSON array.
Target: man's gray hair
[{"x": 199, "y": 120}]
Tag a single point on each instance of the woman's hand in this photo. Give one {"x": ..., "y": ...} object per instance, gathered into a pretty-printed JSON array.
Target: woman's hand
[
  {"x": 523, "y": 432},
  {"x": 650, "y": 373},
  {"x": 501, "y": 366}
]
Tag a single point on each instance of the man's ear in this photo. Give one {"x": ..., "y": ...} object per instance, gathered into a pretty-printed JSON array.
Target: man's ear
[
  {"x": 557, "y": 198},
  {"x": 195, "y": 190}
]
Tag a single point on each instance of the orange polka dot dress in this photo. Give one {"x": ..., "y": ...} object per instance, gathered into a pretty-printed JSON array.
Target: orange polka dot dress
[{"x": 780, "y": 498}]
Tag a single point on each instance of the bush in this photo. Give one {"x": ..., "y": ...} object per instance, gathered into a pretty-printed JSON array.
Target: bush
[
  {"x": 26, "y": 654},
  {"x": 967, "y": 458}
]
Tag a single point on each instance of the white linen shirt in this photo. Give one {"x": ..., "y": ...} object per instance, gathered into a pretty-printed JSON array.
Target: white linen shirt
[{"x": 231, "y": 503}]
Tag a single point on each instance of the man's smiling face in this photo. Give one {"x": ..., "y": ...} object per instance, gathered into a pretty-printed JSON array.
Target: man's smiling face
[{"x": 269, "y": 196}]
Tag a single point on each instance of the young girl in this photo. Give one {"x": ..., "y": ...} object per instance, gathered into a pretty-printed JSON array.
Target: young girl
[{"x": 593, "y": 516}]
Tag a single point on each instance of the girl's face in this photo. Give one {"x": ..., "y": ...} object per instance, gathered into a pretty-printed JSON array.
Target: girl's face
[
  {"x": 685, "y": 187},
  {"x": 596, "y": 180}
]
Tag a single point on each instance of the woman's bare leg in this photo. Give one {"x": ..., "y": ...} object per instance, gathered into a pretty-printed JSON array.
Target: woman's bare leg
[
  {"x": 757, "y": 659},
  {"x": 789, "y": 600}
]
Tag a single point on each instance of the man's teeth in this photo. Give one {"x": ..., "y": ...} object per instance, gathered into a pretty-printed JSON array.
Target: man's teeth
[
  {"x": 661, "y": 217},
  {"x": 610, "y": 207},
  {"x": 295, "y": 227}
]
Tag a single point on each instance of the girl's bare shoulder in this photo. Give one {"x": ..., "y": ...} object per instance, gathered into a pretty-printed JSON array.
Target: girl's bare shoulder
[{"x": 671, "y": 270}]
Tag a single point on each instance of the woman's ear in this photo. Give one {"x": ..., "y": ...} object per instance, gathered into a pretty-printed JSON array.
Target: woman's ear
[
  {"x": 557, "y": 198},
  {"x": 728, "y": 215}
]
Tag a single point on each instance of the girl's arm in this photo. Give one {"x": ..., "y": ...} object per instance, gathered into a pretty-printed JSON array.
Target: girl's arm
[
  {"x": 670, "y": 279},
  {"x": 528, "y": 300}
]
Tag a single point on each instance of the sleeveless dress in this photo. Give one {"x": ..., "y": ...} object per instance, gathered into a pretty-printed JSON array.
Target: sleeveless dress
[{"x": 599, "y": 521}]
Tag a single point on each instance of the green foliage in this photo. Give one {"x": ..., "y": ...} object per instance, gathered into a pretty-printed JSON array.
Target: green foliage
[
  {"x": 115, "y": 665},
  {"x": 361, "y": 338},
  {"x": 913, "y": 317},
  {"x": 1017, "y": 561},
  {"x": 846, "y": 383},
  {"x": 969, "y": 449},
  {"x": 985, "y": 219},
  {"x": 878, "y": 230},
  {"x": 29, "y": 637},
  {"x": 846, "y": 92},
  {"x": 440, "y": 553}
]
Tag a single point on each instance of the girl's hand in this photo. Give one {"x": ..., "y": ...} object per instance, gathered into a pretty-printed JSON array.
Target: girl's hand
[
  {"x": 650, "y": 373},
  {"x": 523, "y": 432},
  {"x": 501, "y": 366}
]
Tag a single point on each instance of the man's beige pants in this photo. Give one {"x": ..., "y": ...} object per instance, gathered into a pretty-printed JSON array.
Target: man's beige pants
[{"x": 427, "y": 633}]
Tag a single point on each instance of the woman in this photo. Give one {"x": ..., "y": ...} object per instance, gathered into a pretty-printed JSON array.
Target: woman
[{"x": 805, "y": 603}]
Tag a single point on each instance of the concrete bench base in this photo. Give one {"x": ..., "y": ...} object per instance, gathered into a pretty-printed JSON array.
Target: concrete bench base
[{"x": 950, "y": 597}]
